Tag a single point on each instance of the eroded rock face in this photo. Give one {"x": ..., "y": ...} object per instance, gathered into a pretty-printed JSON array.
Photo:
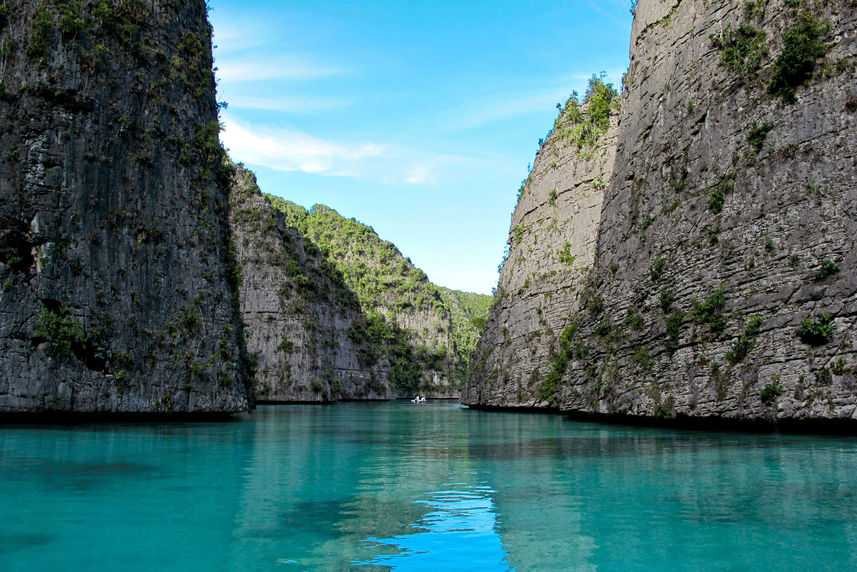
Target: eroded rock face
[
  {"x": 551, "y": 250},
  {"x": 303, "y": 325},
  {"x": 114, "y": 241},
  {"x": 725, "y": 276},
  {"x": 407, "y": 320}
]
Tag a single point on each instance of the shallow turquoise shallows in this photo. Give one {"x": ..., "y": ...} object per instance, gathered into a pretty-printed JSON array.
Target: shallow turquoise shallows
[{"x": 421, "y": 487}]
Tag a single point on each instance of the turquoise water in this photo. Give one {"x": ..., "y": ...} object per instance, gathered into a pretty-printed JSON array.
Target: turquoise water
[{"x": 421, "y": 487}]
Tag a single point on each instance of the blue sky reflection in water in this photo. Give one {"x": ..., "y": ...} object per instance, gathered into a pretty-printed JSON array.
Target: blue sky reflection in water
[
  {"x": 394, "y": 485},
  {"x": 465, "y": 520}
]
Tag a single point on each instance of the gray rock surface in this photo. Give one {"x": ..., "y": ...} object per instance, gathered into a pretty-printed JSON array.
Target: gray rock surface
[
  {"x": 115, "y": 256},
  {"x": 302, "y": 323},
  {"x": 727, "y": 231},
  {"x": 552, "y": 245},
  {"x": 406, "y": 326}
]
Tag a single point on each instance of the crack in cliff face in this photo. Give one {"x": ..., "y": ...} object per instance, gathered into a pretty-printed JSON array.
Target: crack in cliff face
[
  {"x": 720, "y": 193},
  {"x": 17, "y": 247}
]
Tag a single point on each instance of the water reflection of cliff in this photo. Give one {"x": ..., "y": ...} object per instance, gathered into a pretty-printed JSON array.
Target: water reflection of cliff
[
  {"x": 438, "y": 487},
  {"x": 656, "y": 498},
  {"x": 95, "y": 497},
  {"x": 333, "y": 487}
]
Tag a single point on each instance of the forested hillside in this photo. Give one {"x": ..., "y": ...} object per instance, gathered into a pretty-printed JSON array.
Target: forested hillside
[{"x": 425, "y": 332}]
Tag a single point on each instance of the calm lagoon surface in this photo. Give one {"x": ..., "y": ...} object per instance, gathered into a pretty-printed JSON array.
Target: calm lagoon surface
[{"x": 421, "y": 487}]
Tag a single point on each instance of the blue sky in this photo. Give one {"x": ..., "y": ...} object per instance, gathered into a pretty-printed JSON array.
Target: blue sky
[{"x": 418, "y": 118}]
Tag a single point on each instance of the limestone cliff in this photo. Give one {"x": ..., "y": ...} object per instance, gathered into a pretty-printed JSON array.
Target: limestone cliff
[
  {"x": 551, "y": 249},
  {"x": 117, "y": 278},
  {"x": 724, "y": 282},
  {"x": 407, "y": 322},
  {"x": 303, "y": 325}
]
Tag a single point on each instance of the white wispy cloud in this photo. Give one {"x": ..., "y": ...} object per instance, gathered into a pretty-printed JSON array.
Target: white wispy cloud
[
  {"x": 609, "y": 13},
  {"x": 291, "y": 150},
  {"x": 285, "y": 149},
  {"x": 425, "y": 169},
  {"x": 511, "y": 105},
  {"x": 287, "y": 104},
  {"x": 234, "y": 71},
  {"x": 507, "y": 106}
]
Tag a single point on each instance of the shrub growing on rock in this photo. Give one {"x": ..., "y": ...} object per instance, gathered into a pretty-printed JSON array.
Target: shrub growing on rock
[{"x": 816, "y": 332}]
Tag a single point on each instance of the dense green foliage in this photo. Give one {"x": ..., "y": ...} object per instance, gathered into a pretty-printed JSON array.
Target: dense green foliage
[
  {"x": 469, "y": 313},
  {"x": 755, "y": 8},
  {"x": 816, "y": 332},
  {"x": 63, "y": 332},
  {"x": 88, "y": 23},
  {"x": 583, "y": 123},
  {"x": 559, "y": 362},
  {"x": 716, "y": 200},
  {"x": 826, "y": 269},
  {"x": 373, "y": 269},
  {"x": 717, "y": 194},
  {"x": 758, "y": 134},
  {"x": 743, "y": 49},
  {"x": 710, "y": 310},
  {"x": 565, "y": 255},
  {"x": 794, "y": 66},
  {"x": 745, "y": 343},
  {"x": 43, "y": 27},
  {"x": 391, "y": 292},
  {"x": 770, "y": 392},
  {"x": 657, "y": 269},
  {"x": 674, "y": 322},
  {"x": 4, "y": 13}
]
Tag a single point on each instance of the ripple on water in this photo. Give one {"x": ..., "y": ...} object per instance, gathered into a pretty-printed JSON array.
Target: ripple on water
[{"x": 465, "y": 518}]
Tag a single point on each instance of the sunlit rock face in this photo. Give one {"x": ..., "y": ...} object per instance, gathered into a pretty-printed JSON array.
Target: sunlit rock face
[
  {"x": 333, "y": 312},
  {"x": 302, "y": 324},
  {"x": 552, "y": 244},
  {"x": 118, "y": 285},
  {"x": 724, "y": 282}
]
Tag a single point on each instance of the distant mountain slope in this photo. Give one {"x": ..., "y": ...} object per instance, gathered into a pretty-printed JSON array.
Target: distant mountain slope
[
  {"x": 469, "y": 314},
  {"x": 424, "y": 332}
]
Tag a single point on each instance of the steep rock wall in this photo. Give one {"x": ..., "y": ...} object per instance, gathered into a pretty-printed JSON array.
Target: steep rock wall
[
  {"x": 114, "y": 242},
  {"x": 551, "y": 244},
  {"x": 724, "y": 281},
  {"x": 302, "y": 322},
  {"x": 407, "y": 323}
]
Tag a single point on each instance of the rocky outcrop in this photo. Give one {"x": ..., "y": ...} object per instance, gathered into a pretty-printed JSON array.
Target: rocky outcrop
[
  {"x": 551, "y": 250},
  {"x": 724, "y": 284},
  {"x": 118, "y": 284},
  {"x": 303, "y": 325},
  {"x": 407, "y": 323}
]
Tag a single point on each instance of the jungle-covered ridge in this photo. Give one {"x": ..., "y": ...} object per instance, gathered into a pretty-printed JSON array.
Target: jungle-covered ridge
[{"x": 417, "y": 326}]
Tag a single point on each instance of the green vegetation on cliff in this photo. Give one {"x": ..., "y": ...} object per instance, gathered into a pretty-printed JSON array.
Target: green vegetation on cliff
[
  {"x": 469, "y": 315},
  {"x": 803, "y": 46},
  {"x": 425, "y": 332},
  {"x": 583, "y": 122},
  {"x": 744, "y": 50}
]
